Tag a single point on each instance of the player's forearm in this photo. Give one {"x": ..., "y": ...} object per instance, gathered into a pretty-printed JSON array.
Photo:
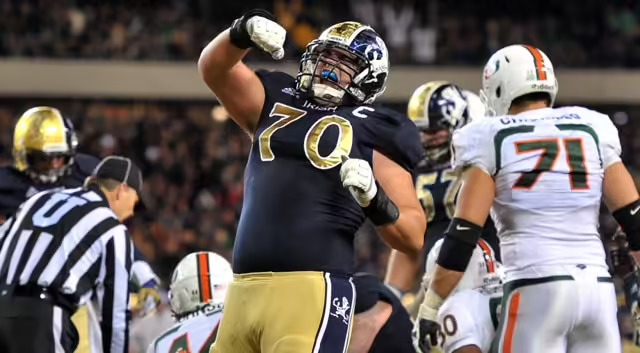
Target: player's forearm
[
  {"x": 442, "y": 284},
  {"x": 460, "y": 240},
  {"x": 366, "y": 326},
  {"x": 406, "y": 234},
  {"x": 401, "y": 270},
  {"x": 219, "y": 57},
  {"x": 444, "y": 281}
]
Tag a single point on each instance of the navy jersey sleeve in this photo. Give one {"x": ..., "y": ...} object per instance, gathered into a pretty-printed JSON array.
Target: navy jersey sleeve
[
  {"x": 278, "y": 86},
  {"x": 83, "y": 166},
  {"x": 395, "y": 136},
  {"x": 13, "y": 191}
]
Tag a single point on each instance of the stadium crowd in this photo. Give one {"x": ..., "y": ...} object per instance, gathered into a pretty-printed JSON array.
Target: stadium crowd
[{"x": 417, "y": 32}]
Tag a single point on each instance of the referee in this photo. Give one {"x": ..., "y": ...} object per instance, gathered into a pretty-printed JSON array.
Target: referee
[{"x": 59, "y": 249}]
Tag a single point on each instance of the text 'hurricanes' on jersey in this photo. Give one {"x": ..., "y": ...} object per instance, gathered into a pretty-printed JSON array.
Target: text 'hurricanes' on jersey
[
  {"x": 548, "y": 167},
  {"x": 296, "y": 214}
]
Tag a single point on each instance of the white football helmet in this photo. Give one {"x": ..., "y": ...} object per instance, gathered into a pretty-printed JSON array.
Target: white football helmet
[
  {"x": 483, "y": 272},
  {"x": 200, "y": 278},
  {"x": 514, "y": 71}
]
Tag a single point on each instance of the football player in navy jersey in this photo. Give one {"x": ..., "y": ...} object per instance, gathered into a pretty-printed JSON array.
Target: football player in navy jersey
[
  {"x": 437, "y": 108},
  {"x": 322, "y": 160},
  {"x": 45, "y": 158}
]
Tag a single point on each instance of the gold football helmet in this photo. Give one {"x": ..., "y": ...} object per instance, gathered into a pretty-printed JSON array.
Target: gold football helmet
[
  {"x": 44, "y": 144},
  {"x": 438, "y": 108}
]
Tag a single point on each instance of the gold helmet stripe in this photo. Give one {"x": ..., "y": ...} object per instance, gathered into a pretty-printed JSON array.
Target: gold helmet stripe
[
  {"x": 418, "y": 108},
  {"x": 343, "y": 32}
]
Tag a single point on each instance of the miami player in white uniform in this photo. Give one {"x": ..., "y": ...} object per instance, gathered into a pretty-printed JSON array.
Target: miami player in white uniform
[
  {"x": 469, "y": 317},
  {"x": 198, "y": 289},
  {"x": 438, "y": 108},
  {"x": 542, "y": 172}
]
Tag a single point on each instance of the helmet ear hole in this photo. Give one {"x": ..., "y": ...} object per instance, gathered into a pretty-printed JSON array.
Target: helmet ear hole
[{"x": 498, "y": 91}]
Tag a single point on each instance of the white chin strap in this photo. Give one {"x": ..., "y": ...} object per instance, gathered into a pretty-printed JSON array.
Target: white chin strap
[{"x": 327, "y": 93}]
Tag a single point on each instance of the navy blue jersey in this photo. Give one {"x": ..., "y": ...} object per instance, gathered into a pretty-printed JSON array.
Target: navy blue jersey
[
  {"x": 437, "y": 191},
  {"x": 16, "y": 187},
  {"x": 296, "y": 214}
]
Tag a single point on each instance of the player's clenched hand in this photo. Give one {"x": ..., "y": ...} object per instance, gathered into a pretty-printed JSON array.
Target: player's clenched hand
[
  {"x": 257, "y": 28},
  {"x": 357, "y": 177},
  {"x": 425, "y": 330},
  {"x": 267, "y": 35}
]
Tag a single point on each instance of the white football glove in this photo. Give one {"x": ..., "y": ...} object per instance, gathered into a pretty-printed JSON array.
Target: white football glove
[
  {"x": 268, "y": 35},
  {"x": 357, "y": 177}
]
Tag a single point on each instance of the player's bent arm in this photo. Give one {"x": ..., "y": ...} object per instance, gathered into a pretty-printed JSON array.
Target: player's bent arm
[
  {"x": 366, "y": 326},
  {"x": 235, "y": 85},
  {"x": 401, "y": 271},
  {"x": 621, "y": 197},
  {"x": 472, "y": 209},
  {"x": 406, "y": 234}
]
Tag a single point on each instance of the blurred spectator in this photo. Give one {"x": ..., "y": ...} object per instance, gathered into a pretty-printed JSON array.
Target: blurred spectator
[
  {"x": 300, "y": 26},
  {"x": 441, "y": 32}
]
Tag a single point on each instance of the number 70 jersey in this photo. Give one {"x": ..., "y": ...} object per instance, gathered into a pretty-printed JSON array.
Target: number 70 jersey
[{"x": 548, "y": 167}]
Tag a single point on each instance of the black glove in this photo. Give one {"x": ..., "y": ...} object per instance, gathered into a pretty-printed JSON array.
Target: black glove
[
  {"x": 621, "y": 260},
  {"x": 425, "y": 335}
]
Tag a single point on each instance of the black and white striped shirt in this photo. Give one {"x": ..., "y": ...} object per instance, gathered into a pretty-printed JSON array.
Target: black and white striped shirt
[{"x": 72, "y": 243}]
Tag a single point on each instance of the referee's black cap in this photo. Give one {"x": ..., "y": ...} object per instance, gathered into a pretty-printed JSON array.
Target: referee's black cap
[{"x": 124, "y": 170}]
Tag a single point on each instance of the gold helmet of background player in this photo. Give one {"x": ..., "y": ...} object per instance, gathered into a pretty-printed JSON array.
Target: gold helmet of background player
[
  {"x": 438, "y": 108},
  {"x": 44, "y": 144}
]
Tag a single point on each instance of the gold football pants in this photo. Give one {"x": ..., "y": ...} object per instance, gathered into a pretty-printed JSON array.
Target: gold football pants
[{"x": 286, "y": 312}]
